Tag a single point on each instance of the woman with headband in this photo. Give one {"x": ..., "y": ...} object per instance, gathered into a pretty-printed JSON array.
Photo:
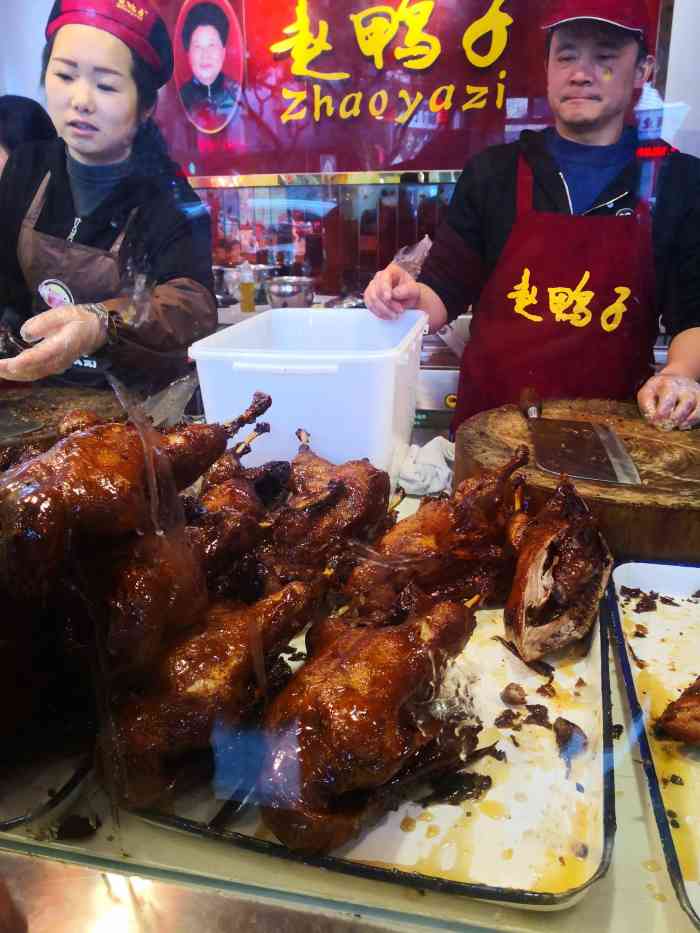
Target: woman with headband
[{"x": 95, "y": 216}]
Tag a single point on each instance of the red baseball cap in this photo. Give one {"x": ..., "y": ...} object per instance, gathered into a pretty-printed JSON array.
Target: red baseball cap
[
  {"x": 135, "y": 22},
  {"x": 627, "y": 14}
]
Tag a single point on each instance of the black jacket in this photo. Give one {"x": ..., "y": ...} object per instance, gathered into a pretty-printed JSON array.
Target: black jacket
[
  {"x": 169, "y": 238},
  {"x": 482, "y": 212},
  {"x": 210, "y": 107}
]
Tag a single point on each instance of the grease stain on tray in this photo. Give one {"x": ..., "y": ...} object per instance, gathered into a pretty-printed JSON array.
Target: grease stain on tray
[{"x": 669, "y": 653}]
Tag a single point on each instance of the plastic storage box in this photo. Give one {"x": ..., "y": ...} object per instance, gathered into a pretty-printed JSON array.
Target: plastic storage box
[{"x": 345, "y": 376}]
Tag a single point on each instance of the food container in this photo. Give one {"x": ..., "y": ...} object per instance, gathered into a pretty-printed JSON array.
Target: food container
[
  {"x": 345, "y": 376},
  {"x": 290, "y": 291},
  {"x": 654, "y": 609},
  {"x": 540, "y": 839}
]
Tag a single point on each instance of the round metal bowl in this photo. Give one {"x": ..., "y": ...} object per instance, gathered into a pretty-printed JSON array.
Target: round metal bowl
[{"x": 290, "y": 291}]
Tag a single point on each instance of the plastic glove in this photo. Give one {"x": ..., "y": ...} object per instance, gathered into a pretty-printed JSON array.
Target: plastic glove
[
  {"x": 391, "y": 292},
  {"x": 61, "y": 336},
  {"x": 668, "y": 401}
]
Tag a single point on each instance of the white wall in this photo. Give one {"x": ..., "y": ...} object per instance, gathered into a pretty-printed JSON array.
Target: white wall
[
  {"x": 683, "y": 80},
  {"x": 22, "y": 24}
]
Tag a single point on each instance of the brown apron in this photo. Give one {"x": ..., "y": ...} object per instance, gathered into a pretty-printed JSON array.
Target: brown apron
[{"x": 60, "y": 272}]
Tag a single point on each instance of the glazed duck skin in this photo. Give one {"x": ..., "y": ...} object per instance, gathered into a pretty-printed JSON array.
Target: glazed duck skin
[
  {"x": 681, "y": 719},
  {"x": 563, "y": 568},
  {"x": 458, "y": 544},
  {"x": 328, "y": 504},
  {"x": 92, "y": 482},
  {"x": 349, "y": 724},
  {"x": 207, "y": 676}
]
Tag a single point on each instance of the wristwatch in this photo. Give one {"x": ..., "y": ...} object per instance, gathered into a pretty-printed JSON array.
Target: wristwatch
[{"x": 107, "y": 319}]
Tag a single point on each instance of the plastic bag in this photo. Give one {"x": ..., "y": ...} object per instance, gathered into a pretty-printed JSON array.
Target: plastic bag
[{"x": 411, "y": 258}]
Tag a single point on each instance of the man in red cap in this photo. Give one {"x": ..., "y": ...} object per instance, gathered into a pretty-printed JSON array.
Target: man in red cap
[{"x": 567, "y": 262}]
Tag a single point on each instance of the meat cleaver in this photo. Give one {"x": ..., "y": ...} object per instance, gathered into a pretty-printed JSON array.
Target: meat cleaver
[{"x": 581, "y": 450}]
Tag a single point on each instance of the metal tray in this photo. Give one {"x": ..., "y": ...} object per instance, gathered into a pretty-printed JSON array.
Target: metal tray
[
  {"x": 28, "y": 795},
  {"x": 200, "y": 813},
  {"x": 681, "y": 843}
]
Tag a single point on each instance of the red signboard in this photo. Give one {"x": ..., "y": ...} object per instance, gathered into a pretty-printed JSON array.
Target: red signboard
[{"x": 308, "y": 86}]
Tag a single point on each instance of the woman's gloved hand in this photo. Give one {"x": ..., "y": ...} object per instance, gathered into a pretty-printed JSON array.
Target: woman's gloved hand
[
  {"x": 61, "y": 336},
  {"x": 669, "y": 401}
]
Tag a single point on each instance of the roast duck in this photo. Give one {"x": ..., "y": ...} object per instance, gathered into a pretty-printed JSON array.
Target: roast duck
[
  {"x": 188, "y": 609},
  {"x": 681, "y": 718},
  {"x": 451, "y": 547},
  {"x": 562, "y": 570},
  {"x": 355, "y": 722}
]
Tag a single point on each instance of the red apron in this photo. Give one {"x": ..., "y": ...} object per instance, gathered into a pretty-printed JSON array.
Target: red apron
[{"x": 569, "y": 309}]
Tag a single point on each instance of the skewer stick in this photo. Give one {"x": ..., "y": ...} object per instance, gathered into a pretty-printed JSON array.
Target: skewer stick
[{"x": 398, "y": 499}]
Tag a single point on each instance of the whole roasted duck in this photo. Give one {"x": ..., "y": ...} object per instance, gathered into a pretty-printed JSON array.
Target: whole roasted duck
[
  {"x": 451, "y": 548},
  {"x": 563, "y": 568},
  {"x": 92, "y": 483},
  {"x": 329, "y": 504},
  {"x": 212, "y": 676},
  {"x": 354, "y": 725},
  {"x": 226, "y": 520},
  {"x": 141, "y": 590}
]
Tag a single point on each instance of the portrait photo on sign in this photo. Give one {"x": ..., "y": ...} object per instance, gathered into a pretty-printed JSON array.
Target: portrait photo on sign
[{"x": 209, "y": 63}]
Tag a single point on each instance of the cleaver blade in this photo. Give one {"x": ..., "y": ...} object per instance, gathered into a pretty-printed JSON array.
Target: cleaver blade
[{"x": 582, "y": 450}]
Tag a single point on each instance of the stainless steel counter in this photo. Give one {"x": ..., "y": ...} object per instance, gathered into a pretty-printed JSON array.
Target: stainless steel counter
[{"x": 43, "y": 896}]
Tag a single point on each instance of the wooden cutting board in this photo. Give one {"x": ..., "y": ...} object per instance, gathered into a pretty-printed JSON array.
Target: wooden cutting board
[
  {"x": 48, "y": 404},
  {"x": 658, "y": 520}
]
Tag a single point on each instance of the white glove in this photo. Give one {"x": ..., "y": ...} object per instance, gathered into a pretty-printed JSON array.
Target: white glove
[
  {"x": 668, "y": 401},
  {"x": 61, "y": 336}
]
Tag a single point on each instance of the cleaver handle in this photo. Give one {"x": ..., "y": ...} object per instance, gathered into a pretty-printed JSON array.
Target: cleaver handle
[{"x": 530, "y": 403}]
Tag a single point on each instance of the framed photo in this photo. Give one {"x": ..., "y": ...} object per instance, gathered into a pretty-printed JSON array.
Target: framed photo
[{"x": 209, "y": 53}]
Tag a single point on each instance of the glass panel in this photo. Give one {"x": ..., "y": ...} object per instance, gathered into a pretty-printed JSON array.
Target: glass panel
[{"x": 230, "y": 624}]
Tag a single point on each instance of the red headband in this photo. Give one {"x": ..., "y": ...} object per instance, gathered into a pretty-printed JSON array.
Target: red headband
[{"x": 135, "y": 22}]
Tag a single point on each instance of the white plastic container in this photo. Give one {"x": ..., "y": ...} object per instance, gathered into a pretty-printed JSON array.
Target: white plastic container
[{"x": 345, "y": 376}]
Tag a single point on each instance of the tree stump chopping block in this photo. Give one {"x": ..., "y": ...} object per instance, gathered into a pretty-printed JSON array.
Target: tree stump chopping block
[{"x": 659, "y": 520}]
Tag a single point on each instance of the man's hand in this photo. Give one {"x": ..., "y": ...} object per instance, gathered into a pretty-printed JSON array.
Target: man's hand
[
  {"x": 669, "y": 401},
  {"x": 61, "y": 336},
  {"x": 391, "y": 292}
]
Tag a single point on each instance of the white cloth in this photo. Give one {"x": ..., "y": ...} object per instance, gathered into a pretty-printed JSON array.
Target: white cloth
[{"x": 426, "y": 470}]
